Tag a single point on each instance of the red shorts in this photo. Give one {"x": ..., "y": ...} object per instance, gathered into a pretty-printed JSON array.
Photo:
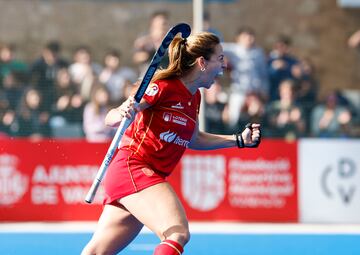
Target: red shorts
[{"x": 127, "y": 176}]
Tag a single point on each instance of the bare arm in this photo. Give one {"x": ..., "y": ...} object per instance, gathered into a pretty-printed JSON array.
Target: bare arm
[
  {"x": 206, "y": 141},
  {"x": 127, "y": 109}
]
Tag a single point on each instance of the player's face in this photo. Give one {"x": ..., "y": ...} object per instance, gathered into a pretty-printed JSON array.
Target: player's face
[{"x": 215, "y": 66}]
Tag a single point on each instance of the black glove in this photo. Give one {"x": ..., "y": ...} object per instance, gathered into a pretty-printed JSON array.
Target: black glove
[{"x": 240, "y": 141}]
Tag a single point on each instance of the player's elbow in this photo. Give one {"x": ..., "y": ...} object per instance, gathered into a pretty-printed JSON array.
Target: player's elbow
[{"x": 196, "y": 144}]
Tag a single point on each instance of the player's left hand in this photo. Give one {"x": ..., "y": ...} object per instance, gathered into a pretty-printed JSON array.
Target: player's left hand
[{"x": 251, "y": 135}]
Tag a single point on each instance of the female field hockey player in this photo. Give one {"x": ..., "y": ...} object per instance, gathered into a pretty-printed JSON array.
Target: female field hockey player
[{"x": 166, "y": 123}]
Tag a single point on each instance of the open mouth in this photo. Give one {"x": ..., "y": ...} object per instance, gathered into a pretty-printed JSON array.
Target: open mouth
[{"x": 221, "y": 73}]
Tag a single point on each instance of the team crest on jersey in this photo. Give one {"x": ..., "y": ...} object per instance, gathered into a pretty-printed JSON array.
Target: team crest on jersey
[
  {"x": 152, "y": 90},
  {"x": 167, "y": 116}
]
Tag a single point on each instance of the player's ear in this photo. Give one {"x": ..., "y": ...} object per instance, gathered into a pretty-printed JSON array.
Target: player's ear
[{"x": 201, "y": 62}]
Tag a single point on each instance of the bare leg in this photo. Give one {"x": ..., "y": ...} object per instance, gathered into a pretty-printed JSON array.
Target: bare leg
[
  {"x": 116, "y": 229},
  {"x": 159, "y": 208}
]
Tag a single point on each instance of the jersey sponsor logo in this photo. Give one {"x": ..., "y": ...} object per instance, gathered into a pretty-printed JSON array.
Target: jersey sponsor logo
[
  {"x": 169, "y": 117},
  {"x": 171, "y": 137},
  {"x": 203, "y": 185},
  {"x": 168, "y": 136},
  {"x": 181, "y": 142},
  {"x": 180, "y": 120},
  {"x": 13, "y": 184},
  {"x": 152, "y": 90},
  {"x": 178, "y": 106}
]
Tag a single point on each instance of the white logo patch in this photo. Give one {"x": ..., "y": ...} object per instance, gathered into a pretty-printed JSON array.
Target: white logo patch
[
  {"x": 152, "y": 90},
  {"x": 171, "y": 137},
  {"x": 168, "y": 136},
  {"x": 178, "y": 106}
]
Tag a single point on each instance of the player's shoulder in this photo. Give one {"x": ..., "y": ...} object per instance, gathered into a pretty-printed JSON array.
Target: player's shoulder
[
  {"x": 167, "y": 85},
  {"x": 166, "y": 82},
  {"x": 159, "y": 86}
]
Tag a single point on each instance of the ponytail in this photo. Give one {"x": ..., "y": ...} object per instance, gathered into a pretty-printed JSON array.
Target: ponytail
[
  {"x": 177, "y": 52},
  {"x": 184, "y": 52}
]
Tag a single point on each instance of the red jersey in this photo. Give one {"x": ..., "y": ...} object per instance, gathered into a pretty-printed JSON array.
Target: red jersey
[{"x": 160, "y": 134}]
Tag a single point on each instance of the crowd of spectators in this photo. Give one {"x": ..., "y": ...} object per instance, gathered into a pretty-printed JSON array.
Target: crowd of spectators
[
  {"x": 280, "y": 91},
  {"x": 56, "y": 97}
]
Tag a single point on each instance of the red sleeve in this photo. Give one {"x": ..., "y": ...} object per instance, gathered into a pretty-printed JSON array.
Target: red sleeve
[{"x": 153, "y": 93}]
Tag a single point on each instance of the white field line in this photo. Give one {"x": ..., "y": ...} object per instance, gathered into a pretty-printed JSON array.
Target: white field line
[{"x": 195, "y": 227}]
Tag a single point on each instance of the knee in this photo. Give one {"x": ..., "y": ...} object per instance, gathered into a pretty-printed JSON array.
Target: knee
[
  {"x": 179, "y": 234},
  {"x": 184, "y": 237}
]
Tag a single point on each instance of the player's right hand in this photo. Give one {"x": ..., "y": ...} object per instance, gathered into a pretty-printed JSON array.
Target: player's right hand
[{"x": 128, "y": 108}]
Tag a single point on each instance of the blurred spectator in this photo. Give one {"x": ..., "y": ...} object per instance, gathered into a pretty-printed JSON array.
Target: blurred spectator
[
  {"x": 8, "y": 62},
  {"x": 209, "y": 28},
  {"x": 306, "y": 83},
  {"x": 94, "y": 115},
  {"x": 33, "y": 119},
  {"x": 215, "y": 102},
  {"x": 306, "y": 88},
  {"x": 253, "y": 111},
  {"x": 354, "y": 40},
  {"x": 282, "y": 65},
  {"x": 8, "y": 124},
  {"x": 14, "y": 84},
  {"x": 146, "y": 45},
  {"x": 116, "y": 77},
  {"x": 248, "y": 68},
  {"x": 285, "y": 117},
  {"x": 68, "y": 104},
  {"x": 346, "y": 102},
  {"x": 331, "y": 119},
  {"x": 83, "y": 71},
  {"x": 44, "y": 70}
]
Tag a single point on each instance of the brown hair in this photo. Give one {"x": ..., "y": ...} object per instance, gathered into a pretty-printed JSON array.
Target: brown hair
[
  {"x": 184, "y": 52},
  {"x": 95, "y": 89}
]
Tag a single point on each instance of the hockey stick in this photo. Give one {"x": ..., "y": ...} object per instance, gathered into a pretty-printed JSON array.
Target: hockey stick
[{"x": 185, "y": 31}]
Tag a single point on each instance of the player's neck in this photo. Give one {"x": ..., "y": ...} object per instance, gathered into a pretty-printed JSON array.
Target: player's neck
[{"x": 191, "y": 82}]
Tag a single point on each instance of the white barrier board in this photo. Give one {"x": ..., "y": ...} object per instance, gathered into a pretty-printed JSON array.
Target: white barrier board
[{"x": 329, "y": 181}]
